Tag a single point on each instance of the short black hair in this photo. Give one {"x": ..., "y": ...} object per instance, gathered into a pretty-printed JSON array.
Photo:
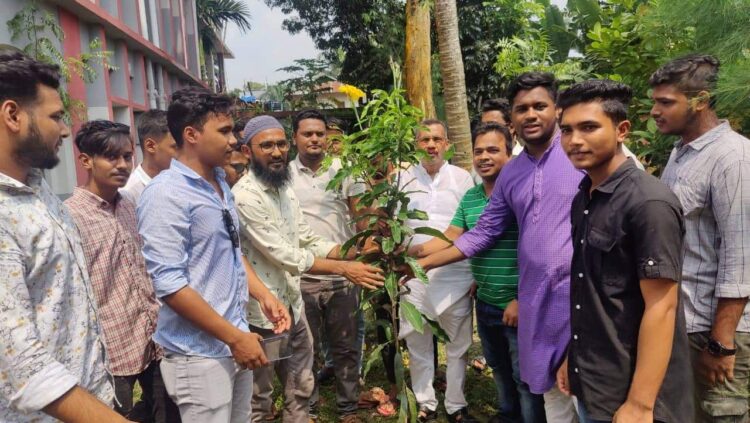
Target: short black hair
[
  {"x": 152, "y": 124},
  {"x": 98, "y": 137},
  {"x": 613, "y": 96},
  {"x": 691, "y": 74},
  {"x": 307, "y": 114},
  {"x": 192, "y": 106},
  {"x": 336, "y": 124},
  {"x": 429, "y": 122},
  {"x": 20, "y": 76},
  {"x": 239, "y": 126},
  {"x": 529, "y": 81},
  {"x": 487, "y": 127},
  {"x": 500, "y": 104}
]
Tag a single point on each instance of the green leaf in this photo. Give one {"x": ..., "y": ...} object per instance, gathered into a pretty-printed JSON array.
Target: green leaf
[
  {"x": 353, "y": 240},
  {"x": 412, "y": 400},
  {"x": 372, "y": 357},
  {"x": 441, "y": 335},
  {"x": 416, "y": 215},
  {"x": 425, "y": 230},
  {"x": 418, "y": 271},
  {"x": 391, "y": 284},
  {"x": 412, "y": 315},
  {"x": 388, "y": 245},
  {"x": 395, "y": 231}
]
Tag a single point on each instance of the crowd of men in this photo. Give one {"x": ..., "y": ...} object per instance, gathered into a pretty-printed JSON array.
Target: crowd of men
[{"x": 601, "y": 293}]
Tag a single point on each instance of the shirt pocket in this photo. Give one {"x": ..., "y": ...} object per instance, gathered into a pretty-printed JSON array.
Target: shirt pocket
[
  {"x": 602, "y": 243},
  {"x": 693, "y": 193}
]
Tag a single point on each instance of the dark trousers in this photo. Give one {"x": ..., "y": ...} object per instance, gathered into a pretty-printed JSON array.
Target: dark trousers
[
  {"x": 332, "y": 308},
  {"x": 584, "y": 418},
  {"x": 158, "y": 407},
  {"x": 500, "y": 349}
]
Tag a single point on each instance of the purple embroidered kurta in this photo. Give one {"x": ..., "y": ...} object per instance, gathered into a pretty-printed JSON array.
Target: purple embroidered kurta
[{"x": 539, "y": 194}]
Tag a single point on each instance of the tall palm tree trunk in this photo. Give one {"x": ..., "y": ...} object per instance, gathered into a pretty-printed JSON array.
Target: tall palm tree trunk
[
  {"x": 417, "y": 67},
  {"x": 454, "y": 81}
]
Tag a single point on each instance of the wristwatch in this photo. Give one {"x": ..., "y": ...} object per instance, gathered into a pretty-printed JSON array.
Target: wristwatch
[{"x": 716, "y": 349}]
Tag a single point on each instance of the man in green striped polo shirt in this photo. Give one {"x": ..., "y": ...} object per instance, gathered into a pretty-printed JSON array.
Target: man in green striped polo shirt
[{"x": 496, "y": 279}]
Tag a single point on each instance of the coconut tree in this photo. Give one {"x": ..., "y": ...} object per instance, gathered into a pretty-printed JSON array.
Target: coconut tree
[
  {"x": 454, "y": 81},
  {"x": 417, "y": 66},
  {"x": 213, "y": 17}
]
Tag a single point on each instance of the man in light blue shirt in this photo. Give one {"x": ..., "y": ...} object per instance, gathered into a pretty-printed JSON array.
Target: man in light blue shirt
[{"x": 187, "y": 219}]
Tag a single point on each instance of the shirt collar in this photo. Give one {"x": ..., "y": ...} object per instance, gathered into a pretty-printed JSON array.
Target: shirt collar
[
  {"x": 552, "y": 146},
  {"x": 611, "y": 183},
  {"x": 92, "y": 199},
  {"x": 443, "y": 167},
  {"x": 190, "y": 173},
  {"x": 707, "y": 138},
  {"x": 33, "y": 185},
  {"x": 300, "y": 167},
  {"x": 142, "y": 175}
]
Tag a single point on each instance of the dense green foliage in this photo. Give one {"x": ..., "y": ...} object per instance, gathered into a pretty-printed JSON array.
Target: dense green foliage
[{"x": 627, "y": 40}]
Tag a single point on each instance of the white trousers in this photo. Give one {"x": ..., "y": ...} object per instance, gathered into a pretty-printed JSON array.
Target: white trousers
[
  {"x": 560, "y": 408},
  {"x": 208, "y": 390},
  {"x": 456, "y": 321}
]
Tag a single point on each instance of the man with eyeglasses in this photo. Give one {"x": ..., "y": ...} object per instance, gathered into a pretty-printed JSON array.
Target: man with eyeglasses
[
  {"x": 187, "y": 219},
  {"x": 281, "y": 246},
  {"x": 437, "y": 188}
]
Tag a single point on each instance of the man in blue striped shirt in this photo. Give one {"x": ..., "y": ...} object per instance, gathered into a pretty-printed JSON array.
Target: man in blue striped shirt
[{"x": 187, "y": 219}]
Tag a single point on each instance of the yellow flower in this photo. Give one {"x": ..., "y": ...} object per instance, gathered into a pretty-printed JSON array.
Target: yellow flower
[{"x": 352, "y": 92}]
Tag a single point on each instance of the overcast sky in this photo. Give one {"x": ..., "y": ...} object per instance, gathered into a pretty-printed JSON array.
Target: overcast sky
[{"x": 267, "y": 47}]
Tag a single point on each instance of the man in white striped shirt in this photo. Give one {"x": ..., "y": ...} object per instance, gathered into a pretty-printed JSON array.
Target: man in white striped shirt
[{"x": 709, "y": 171}]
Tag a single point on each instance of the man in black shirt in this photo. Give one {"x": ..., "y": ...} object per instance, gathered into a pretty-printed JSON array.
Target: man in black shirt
[{"x": 628, "y": 354}]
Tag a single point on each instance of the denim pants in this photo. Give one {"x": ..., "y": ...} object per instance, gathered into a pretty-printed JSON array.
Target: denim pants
[{"x": 500, "y": 349}]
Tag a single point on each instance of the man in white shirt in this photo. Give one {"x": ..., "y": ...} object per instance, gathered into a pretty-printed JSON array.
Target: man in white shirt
[
  {"x": 331, "y": 302},
  {"x": 439, "y": 188},
  {"x": 158, "y": 148}
]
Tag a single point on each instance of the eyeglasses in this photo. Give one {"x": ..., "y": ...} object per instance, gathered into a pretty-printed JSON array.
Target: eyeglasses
[
  {"x": 426, "y": 140},
  {"x": 268, "y": 146},
  {"x": 229, "y": 225}
]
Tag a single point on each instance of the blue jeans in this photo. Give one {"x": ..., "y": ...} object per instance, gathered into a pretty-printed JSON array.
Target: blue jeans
[{"x": 500, "y": 348}]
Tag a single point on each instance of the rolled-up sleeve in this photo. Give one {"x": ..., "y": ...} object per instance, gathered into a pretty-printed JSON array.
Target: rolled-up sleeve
[
  {"x": 493, "y": 221},
  {"x": 318, "y": 245},
  {"x": 164, "y": 225},
  {"x": 731, "y": 206},
  {"x": 658, "y": 231},
  {"x": 31, "y": 377},
  {"x": 259, "y": 228}
]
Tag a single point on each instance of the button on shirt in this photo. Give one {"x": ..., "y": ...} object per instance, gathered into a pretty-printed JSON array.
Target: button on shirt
[
  {"x": 186, "y": 243},
  {"x": 537, "y": 194},
  {"x": 48, "y": 330},
  {"x": 439, "y": 197},
  {"x": 711, "y": 177},
  {"x": 278, "y": 242},
  {"x": 632, "y": 230},
  {"x": 124, "y": 294},
  {"x": 326, "y": 211}
]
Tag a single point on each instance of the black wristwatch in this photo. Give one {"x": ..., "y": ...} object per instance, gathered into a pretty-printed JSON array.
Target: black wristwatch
[{"x": 716, "y": 349}]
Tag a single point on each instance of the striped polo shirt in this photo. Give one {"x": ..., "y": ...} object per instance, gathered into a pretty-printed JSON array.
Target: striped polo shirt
[{"x": 495, "y": 269}]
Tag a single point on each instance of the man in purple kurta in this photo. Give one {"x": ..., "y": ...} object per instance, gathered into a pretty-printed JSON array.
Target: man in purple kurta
[{"x": 537, "y": 188}]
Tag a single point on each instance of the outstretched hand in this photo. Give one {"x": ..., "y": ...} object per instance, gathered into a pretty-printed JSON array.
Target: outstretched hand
[{"x": 364, "y": 275}]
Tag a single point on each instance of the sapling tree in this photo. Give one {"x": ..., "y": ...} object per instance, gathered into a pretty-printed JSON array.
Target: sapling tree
[{"x": 382, "y": 145}]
